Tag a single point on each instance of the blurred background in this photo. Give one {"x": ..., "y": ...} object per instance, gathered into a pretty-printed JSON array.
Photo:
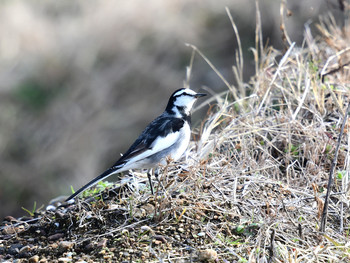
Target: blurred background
[{"x": 79, "y": 80}]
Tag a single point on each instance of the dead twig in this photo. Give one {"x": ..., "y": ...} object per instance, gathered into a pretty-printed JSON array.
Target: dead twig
[
  {"x": 325, "y": 208},
  {"x": 271, "y": 248}
]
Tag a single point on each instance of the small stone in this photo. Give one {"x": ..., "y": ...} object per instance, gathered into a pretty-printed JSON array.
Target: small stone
[
  {"x": 10, "y": 230},
  {"x": 89, "y": 246},
  {"x": 201, "y": 234},
  {"x": 63, "y": 260},
  {"x": 50, "y": 208},
  {"x": 55, "y": 237},
  {"x": 113, "y": 207},
  {"x": 14, "y": 249},
  {"x": 34, "y": 259},
  {"x": 157, "y": 242},
  {"x": 207, "y": 255},
  {"x": 107, "y": 257},
  {"x": 24, "y": 255},
  {"x": 149, "y": 209},
  {"x": 24, "y": 249},
  {"x": 181, "y": 230},
  {"x": 10, "y": 219},
  {"x": 54, "y": 246},
  {"x": 139, "y": 213},
  {"x": 59, "y": 215},
  {"x": 160, "y": 238},
  {"x": 102, "y": 243},
  {"x": 145, "y": 229},
  {"x": 65, "y": 245}
]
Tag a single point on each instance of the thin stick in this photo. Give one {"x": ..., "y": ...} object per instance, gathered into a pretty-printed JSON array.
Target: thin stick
[
  {"x": 239, "y": 60},
  {"x": 279, "y": 69},
  {"x": 325, "y": 208},
  {"x": 285, "y": 37},
  {"x": 189, "y": 71},
  {"x": 271, "y": 248},
  {"x": 211, "y": 65},
  {"x": 301, "y": 102},
  {"x": 300, "y": 231},
  {"x": 323, "y": 71}
]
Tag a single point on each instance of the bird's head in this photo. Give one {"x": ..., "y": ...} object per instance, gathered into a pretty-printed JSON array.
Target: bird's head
[{"x": 181, "y": 102}]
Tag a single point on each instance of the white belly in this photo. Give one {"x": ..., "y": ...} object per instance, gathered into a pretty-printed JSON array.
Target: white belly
[{"x": 185, "y": 136}]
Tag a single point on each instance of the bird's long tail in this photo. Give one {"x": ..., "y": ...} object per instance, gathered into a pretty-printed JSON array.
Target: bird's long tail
[{"x": 94, "y": 181}]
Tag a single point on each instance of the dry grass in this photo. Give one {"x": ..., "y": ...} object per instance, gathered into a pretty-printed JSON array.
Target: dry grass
[
  {"x": 253, "y": 184},
  {"x": 267, "y": 157},
  {"x": 256, "y": 179},
  {"x": 260, "y": 173}
]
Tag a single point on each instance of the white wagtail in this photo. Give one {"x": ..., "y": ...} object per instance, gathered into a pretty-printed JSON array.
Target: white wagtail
[{"x": 166, "y": 136}]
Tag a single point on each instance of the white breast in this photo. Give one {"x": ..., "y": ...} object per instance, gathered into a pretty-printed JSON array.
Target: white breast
[{"x": 184, "y": 136}]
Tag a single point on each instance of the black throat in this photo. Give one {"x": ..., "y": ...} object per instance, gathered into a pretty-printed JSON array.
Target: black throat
[{"x": 181, "y": 110}]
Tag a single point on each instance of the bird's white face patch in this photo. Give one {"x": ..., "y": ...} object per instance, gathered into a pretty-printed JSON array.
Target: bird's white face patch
[
  {"x": 185, "y": 101},
  {"x": 185, "y": 98}
]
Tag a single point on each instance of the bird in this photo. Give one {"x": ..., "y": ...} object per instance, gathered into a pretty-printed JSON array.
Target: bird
[{"x": 168, "y": 135}]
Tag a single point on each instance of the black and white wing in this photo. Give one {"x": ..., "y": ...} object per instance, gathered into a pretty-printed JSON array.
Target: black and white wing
[{"x": 160, "y": 134}]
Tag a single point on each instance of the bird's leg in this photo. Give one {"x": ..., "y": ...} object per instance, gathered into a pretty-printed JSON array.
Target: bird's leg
[
  {"x": 150, "y": 180},
  {"x": 156, "y": 174}
]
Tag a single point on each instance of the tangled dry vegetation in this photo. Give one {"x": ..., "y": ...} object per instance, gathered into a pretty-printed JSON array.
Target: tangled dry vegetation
[{"x": 252, "y": 188}]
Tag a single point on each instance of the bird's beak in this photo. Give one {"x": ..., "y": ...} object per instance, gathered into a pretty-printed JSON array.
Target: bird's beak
[{"x": 198, "y": 95}]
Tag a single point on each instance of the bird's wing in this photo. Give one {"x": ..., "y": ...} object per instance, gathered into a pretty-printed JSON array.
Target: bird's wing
[
  {"x": 158, "y": 135},
  {"x": 158, "y": 145}
]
